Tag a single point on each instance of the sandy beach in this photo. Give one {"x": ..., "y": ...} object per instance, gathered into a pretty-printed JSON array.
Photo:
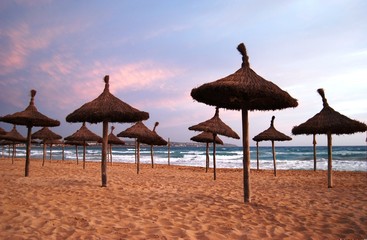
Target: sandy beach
[{"x": 62, "y": 201}]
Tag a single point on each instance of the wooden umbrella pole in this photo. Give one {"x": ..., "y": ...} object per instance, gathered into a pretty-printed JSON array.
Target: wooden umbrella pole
[
  {"x": 314, "y": 152},
  {"x": 12, "y": 158},
  {"x": 330, "y": 157},
  {"x": 207, "y": 157},
  {"x": 169, "y": 152},
  {"x": 246, "y": 156},
  {"x": 84, "y": 150},
  {"x": 151, "y": 155},
  {"x": 138, "y": 157},
  {"x": 274, "y": 157},
  {"x": 28, "y": 151},
  {"x": 104, "y": 153},
  {"x": 136, "y": 152},
  {"x": 214, "y": 162},
  {"x": 76, "y": 153},
  {"x": 50, "y": 151},
  {"x": 257, "y": 155},
  {"x": 110, "y": 153},
  {"x": 63, "y": 151},
  {"x": 44, "y": 154}
]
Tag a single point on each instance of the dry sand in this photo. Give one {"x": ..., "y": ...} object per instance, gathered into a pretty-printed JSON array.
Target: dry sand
[{"x": 63, "y": 201}]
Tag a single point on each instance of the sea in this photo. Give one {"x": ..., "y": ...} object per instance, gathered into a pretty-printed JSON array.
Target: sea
[{"x": 345, "y": 158}]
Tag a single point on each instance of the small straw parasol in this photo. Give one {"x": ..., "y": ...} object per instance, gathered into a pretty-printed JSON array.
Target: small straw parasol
[
  {"x": 328, "y": 121},
  {"x": 52, "y": 142},
  {"x": 83, "y": 135},
  {"x": 246, "y": 91},
  {"x": 45, "y": 134},
  {"x": 4, "y": 142},
  {"x": 14, "y": 137},
  {"x": 206, "y": 137},
  {"x": 142, "y": 134},
  {"x": 2, "y": 132},
  {"x": 112, "y": 140},
  {"x": 76, "y": 144},
  {"x": 270, "y": 134},
  {"x": 106, "y": 108},
  {"x": 157, "y": 141},
  {"x": 215, "y": 126},
  {"x": 30, "y": 117}
]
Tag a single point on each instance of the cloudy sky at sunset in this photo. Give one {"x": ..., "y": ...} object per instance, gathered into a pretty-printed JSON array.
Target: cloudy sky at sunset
[{"x": 157, "y": 51}]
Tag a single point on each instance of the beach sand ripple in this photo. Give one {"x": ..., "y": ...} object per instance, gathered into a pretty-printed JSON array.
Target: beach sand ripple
[{"x": 62, "y": 200}]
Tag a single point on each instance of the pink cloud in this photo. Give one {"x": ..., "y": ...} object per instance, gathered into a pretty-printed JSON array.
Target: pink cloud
[{"x": 134, "y": 76}]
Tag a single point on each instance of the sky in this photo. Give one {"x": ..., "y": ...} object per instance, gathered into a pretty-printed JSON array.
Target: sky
[{"x": 156, "y": 52}]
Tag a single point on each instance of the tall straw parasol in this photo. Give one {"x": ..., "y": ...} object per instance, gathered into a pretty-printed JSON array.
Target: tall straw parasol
[
  {"x": 142, "y": 134},
  {"x": 83, "y": 135},
  {"x": 45, "y": 134},
  {"x": 112, "y": 140},
  {"x": 155, "y": 141},
  {"x": 106, "y": 108},
  {"x": 215, "y": 126},
  {"x": 271, "y": 134},
  {"x": 206, "y": 137},
  {"x": 244, "y": 90},
  {"x": 328, "y": 121},
  {"x": 14, "y": 137},
  {"x": 30, "y": 117}
]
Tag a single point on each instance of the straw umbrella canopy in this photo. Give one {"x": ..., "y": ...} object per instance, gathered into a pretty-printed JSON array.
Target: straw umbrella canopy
[
  {"x": 206, "y": 137},
  {"x": 142, "y": 134},
  {"x": 156, "y": 140},
  {"x": 106, "y": 108},
  {"x": 271, "y": 134},
  {"x": 328, "y": 121},
  {"x": 246, "y": 91},
  {"x": 112, "y": 140},
  {"x": 30, "y": 117},
  {"x": 45, "y": 134},
  {"x": 83, "y": 135},
  {"x": 215, "y": 126},
  {"x": 14, "y": 137}
]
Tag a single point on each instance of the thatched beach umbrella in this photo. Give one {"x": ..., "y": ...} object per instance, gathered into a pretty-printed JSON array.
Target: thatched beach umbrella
[
  {"x": 14, "y": 137},
  {"x": 206, "y": 137},
  {"x": 155, "y": 141},
  {"x": 2, "y": 132},
  {"x": 112, "y": 140},
  {"x": 271, "y": 134},
  {"x": 83, "y": 135},
  {"x": 30, "y": 117},
  {"x": 142, "y": 134},
  {"x": 106, "y": 108},
  {"x": 328, "y": 121},
  {"x": 45, "y": 134},
  {"x": 215, "y": 126},
  {"x": 52, "y": 142},
  {"x": 76, "y": 144},
  {"x": 246, "y": 91}
]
